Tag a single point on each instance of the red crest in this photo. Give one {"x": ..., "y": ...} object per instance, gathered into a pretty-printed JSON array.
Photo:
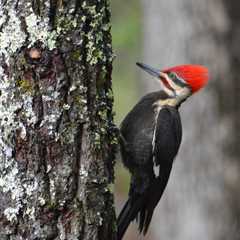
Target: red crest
[{"x": 195, "y": 75}]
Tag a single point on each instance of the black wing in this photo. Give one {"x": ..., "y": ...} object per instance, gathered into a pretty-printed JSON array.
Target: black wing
[
  {"x": 168, "y": 135},
  {"x": 137, "y": 131},
  {"x": 146, "y": 188}
]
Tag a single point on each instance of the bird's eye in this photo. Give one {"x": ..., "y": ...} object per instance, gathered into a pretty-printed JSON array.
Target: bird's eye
[
  {"x": 178, "y": 80},
  {"x": 172, "y": 75}
]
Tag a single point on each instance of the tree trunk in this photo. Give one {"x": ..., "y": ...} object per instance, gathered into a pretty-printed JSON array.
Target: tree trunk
[
  {"x": 57, "y": 138},
  {"x": 202, "y": 197}
]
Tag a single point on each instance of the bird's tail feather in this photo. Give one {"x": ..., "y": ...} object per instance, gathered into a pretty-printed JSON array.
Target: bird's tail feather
[
  {"x": 141, "y": 206},
  {"x": 154, "y": 195},
  {"x": 128, "y": 213}
]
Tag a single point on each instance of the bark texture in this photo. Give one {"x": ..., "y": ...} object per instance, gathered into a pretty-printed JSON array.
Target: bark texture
[
  {"x": 202, "y": 197},
  {"x": 57, "y": 138}
]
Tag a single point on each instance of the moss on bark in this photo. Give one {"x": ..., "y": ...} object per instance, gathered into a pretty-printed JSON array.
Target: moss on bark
[{"x": 57, "y": 134}]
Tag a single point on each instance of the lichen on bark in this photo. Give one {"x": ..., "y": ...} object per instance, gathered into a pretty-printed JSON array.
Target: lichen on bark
[{"x": 57, "y": 137}]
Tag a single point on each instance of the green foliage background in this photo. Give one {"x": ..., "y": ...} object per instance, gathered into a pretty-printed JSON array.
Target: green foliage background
[{"x": 126, "y": 33}]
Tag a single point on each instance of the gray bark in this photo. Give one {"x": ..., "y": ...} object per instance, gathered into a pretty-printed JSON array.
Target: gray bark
[
  {"x": 202, "y": 197},
  {"x": 57, "y": 138}
]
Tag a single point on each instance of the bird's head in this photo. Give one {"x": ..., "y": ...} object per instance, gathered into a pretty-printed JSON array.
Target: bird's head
[{"x": 180, "y": 81}]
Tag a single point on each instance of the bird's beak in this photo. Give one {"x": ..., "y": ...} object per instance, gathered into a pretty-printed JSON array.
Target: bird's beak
[
  {"x": 152, "y": 71},
  {"x": 159, "y": 74}
]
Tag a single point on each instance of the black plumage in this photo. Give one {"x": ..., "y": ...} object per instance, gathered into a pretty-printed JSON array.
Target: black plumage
[{"x": 150, "y": 138}]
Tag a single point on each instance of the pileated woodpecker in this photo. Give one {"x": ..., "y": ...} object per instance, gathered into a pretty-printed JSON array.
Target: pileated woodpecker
[{"x": 150, "y": 138}]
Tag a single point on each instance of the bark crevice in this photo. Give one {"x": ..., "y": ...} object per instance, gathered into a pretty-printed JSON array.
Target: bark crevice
[{"x": 53, "y": 144}]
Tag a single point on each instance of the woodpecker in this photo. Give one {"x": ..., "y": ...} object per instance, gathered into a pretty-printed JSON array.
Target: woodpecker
[{"x": 150, "y": 136}]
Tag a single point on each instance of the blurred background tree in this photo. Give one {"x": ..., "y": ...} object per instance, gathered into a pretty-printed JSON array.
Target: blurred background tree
[{"x": 202, "y": 197}]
